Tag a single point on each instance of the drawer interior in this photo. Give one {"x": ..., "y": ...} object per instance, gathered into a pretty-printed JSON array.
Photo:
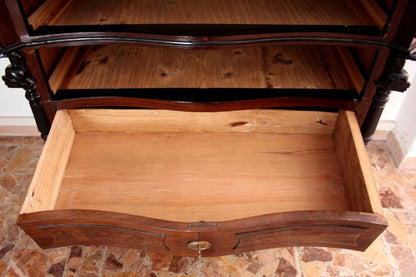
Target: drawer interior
[
  {"x": 75, "y": 70},
  {"x": 133, "y": 12},
  {"x": 191, "y": 167}
]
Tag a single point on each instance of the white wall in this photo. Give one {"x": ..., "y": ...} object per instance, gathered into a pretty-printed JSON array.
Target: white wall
[
  {"x": 14, "y": 108},
  {"x": 399, "y": 118}
]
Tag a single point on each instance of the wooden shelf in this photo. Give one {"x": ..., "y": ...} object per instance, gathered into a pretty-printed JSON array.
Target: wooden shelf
[
  {"x": 280, "y": 12},
  {"x": 127, "y": 67}
]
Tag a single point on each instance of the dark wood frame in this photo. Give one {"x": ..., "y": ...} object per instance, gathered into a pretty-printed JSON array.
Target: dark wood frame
[{"x": 341, "y": 229}]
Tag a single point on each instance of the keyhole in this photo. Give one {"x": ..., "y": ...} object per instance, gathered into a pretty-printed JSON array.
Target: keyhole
[{"x": 199, "y": 246}]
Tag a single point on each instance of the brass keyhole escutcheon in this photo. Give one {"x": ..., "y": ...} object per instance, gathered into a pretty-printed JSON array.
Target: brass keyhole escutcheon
[{"x": 199, "y": 246}]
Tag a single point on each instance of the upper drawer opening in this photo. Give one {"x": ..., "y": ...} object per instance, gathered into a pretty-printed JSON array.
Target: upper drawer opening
[
  {"x": 255, "y": 12},
  {"x": 290, "y": 71}
]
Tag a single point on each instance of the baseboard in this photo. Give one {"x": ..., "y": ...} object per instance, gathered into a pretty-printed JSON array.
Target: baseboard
[
  {"x": 380, "y": 135},
  {"x": 18, "y": 126},
  {"x": 400, "y": 159},
  {"x": 384, "y": 127},
  {"x": 395, "y": 149},
  {"x": 19, "y": 131},
  {"x": 386, "y": 131}
]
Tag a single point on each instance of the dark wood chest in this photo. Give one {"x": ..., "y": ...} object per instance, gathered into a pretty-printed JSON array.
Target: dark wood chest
[{"x": 222, "y": 126}]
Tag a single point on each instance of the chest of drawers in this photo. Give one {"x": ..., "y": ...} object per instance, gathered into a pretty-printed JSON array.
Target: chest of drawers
[{"x": 222, "y": 126}]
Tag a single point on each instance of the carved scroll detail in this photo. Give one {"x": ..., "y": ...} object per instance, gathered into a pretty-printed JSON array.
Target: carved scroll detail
[
  {"x": 394, "y": 78},
  {"x": 17, "y": 76}
]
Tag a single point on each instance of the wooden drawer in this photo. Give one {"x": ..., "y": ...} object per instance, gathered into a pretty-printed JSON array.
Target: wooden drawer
[{"x": 241, "y": 180}]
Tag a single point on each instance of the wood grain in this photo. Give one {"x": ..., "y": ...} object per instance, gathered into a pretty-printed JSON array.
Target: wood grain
[
  {"x": 312, "y": 228},
  {"x": 46, "y": 181},
  {"x": 350, "y": 71},
  {"x": 368, "y": 12},
  {"x": 375, "y": 12},
  {"x": 302, "y": 67},
  {"x": 68, "y": 65},
  {"x": 194, "y": 176},
  {"x": 359, "y": 182},
  {"x": 105, "y": 67},
  {"x": 245, "y": 121},
  {"x": 246, "y": 185},
  {"x": 305, "y": 12},
  {"x": 270, "y": 67},
  {"x": 48, "y": 12}
]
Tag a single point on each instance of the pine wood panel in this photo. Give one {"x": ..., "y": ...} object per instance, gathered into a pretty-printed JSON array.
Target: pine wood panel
[
  {"x": 369, "y": 11},
  {"x": 244, "y": 121},
  {"x": 302, "y": 67},
  {"x": 351, "y": 74},
  {"x": 278, "y": 67},
  {"x": 191, "y": 177},
  {"x": 48, "y": 12},
  {"x": 47, "y": 178},
  {"x": 307, "y": 12},
  {"x": 359, "y": 182},
  {"x": 105, "y": 67},
  {"x": 68, "y": 65}
]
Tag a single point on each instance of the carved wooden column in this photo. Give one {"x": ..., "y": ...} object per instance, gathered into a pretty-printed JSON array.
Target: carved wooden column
[
  {"x": 18, "y": 77},
  {"x": 394, "y": 78}
]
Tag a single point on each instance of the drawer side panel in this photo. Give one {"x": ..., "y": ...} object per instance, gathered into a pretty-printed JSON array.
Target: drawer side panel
[{"x": 46, "y": 181}]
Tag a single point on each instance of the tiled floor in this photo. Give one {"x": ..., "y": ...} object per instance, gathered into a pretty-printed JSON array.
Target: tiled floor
[{"x": 392, "y": 254}]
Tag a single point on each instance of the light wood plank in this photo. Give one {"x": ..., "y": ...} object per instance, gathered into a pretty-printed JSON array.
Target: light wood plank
[
  {"x": 359, "y": 182},
  {"x": 376, "y": 13},
  {"x": 306, "y": 12},
  {"x": 167, "y": 68},
  {"x": 245, "y": 121},
  {"x": 351, "y": 73},
  {"x": 279, "y": 67},
  {"x": 369, "y": 12},
  {"x": 302, "y": 67},
  {"x": 231, "y": 68},
  {"x": 43, "y": 190},
  {"x": 67, "y": 66},
  {"x": 48, "y": 12},
  {"x": 195, "y": 176}
]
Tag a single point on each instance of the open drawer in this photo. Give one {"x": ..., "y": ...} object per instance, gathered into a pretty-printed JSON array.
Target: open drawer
[{"x": 241, "y": 180}]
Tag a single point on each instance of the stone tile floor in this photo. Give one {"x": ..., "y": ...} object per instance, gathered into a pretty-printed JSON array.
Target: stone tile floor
[{"x": 392, "y": 254}]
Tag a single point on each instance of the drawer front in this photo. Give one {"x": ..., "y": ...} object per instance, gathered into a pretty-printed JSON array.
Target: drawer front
[
  {"x": 85, "y": 227},
  {"x": 310, "y": 228},
  {"x": 349, "y": 237},
  {"x": 340, "y": 236},
  {"x": 93, "y": 234}
]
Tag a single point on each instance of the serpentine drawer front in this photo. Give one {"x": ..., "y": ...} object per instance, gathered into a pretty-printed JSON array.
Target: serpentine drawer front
[{"x": 219, "y": 183}]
